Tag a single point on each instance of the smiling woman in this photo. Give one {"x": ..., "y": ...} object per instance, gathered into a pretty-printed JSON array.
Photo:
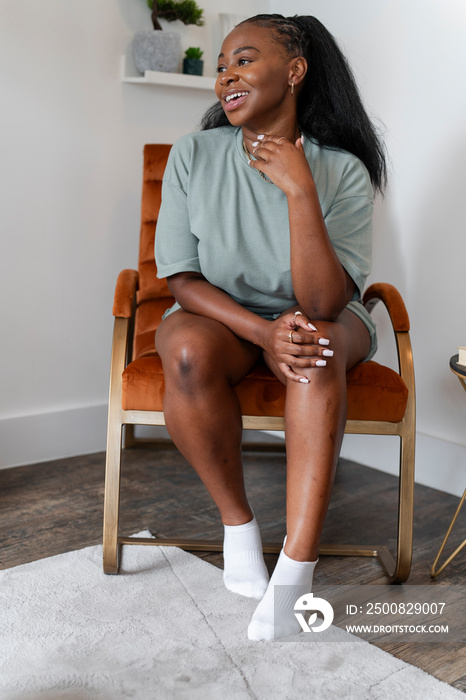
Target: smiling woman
[
  {"x": 246, "y": 71},
  {"x": 264, "y": 235}
]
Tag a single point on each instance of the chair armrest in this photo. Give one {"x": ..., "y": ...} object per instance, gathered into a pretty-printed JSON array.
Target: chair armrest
[
  {"x": 390, "y": 296},
  {"x": 125, "y": 293}
]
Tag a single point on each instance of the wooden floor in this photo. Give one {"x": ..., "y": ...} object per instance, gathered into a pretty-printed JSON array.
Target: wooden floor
[{"x": 56, "y": 507}]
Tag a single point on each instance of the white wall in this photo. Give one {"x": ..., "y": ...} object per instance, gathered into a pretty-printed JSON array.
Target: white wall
[
  {"x": 71, "y": 142},
  {"x": 409, "y": 59},
  {"x": 71, "y": 138}
]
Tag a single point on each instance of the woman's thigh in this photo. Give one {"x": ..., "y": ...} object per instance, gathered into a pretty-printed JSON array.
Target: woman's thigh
[
  {"x": 355, "y": 338},
  {"x": 195, "y": 348}
]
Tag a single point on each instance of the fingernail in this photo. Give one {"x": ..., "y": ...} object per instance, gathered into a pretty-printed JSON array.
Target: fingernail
[
  {"x": 249, "y": 161},
  {"x": 328, "y": 353},
  {"x": 324, "y": 341},
  {"x": 262, "y": 136},
  {"x": 255, "y": 143},
  {"x": 313, "y": 328},
  {"x": 303, "y": 380},
  {"x": 321, "y": 363},
  {"x": 302, "y": 139}
]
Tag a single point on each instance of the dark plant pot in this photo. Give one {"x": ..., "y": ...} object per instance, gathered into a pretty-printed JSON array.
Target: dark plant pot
[
  {"x": 157, "y": 50},
  {"x": 193, "y": 66}
]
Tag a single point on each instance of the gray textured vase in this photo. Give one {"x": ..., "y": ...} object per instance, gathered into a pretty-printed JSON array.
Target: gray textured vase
[{"x": 157, "y": 50}]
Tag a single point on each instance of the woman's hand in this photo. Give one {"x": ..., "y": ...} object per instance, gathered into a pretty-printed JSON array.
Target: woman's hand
[
  {"x": 283, "y": 162},
  {"x": 294, "y": 343}
]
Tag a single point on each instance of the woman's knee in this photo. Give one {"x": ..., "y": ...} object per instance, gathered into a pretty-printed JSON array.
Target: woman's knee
[
  {"x": 330, "y": 368},
  {"x": 188, "y": 356},
  {"x": 334, "y": 351},
  {"x": 348, "y": 339},
  {"x": 199, "y": 352}
]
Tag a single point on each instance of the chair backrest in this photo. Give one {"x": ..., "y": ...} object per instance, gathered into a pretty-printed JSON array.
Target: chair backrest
[{"x": 155, "y": 160}]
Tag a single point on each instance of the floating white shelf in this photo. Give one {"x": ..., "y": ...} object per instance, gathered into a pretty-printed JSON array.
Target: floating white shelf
[{"x": 150, "y": 77}]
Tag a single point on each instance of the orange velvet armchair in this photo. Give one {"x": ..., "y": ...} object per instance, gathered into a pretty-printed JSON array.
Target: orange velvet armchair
[{"x": 380, "y": 400}]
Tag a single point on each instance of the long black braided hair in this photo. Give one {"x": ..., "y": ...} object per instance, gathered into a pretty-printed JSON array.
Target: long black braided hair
[{"x": 330, "y": 109}]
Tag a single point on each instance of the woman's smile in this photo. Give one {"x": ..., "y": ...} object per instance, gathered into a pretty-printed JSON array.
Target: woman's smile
[{"x": 234, "y": 99}]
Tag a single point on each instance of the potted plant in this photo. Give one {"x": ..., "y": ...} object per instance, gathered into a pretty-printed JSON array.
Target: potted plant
[
  {"x": 161, "y": 50},
  {"x": 192, "y": 63}
]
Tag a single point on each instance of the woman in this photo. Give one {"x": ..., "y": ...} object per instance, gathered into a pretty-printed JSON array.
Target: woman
[{"x": 264, "y": 235}]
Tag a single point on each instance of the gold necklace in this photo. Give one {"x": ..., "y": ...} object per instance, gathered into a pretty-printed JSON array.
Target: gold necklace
[{"x": 249, "y": 157}]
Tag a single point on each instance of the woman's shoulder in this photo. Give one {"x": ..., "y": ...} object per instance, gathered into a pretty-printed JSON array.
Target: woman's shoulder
[
  {"x": 197, "y": 151},
  {"x": 210, "y": 139},
  {"x": 342, "y": 167}
]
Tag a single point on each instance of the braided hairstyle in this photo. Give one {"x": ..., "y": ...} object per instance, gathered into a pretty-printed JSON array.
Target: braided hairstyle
[{"x": 329, "y": 107}]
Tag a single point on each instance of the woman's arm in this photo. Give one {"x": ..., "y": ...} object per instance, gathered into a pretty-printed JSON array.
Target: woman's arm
[
  {"x": 196, "y": 295},
  {"x": 321, "y": 285}
]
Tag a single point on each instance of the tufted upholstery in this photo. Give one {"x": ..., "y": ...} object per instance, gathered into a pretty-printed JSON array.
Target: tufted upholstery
[{"x": 375, "y": 392}]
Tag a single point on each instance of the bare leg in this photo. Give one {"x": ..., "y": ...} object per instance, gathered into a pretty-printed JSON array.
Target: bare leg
[
  {"x": 202, "y": 359},
  {"x": 315, "y": 416}
]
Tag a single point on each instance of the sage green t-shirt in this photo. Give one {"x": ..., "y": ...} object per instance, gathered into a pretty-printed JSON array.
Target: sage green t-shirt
[{"x": 219, "y": 217}]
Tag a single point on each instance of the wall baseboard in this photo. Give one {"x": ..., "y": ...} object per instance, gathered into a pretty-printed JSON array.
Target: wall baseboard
[
  {"x": 67, "y": 433},
  {"x": 48, "y": 436},
  {"x": 439, "y": 464}
]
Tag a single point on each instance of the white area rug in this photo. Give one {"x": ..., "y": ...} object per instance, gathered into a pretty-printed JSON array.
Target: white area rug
[{"x": 166, "y": 628}]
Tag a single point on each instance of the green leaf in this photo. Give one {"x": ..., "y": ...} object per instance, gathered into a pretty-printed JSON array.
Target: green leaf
[{"x": 187, "y": 11}]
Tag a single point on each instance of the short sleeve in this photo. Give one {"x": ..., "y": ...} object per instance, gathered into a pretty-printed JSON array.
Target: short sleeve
[
  {"x": 176, "y": 247},
  {"x": 349, "y": 223}
]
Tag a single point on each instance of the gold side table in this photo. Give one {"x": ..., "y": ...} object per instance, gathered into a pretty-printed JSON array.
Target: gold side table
[{"x": 460, "y": 371}]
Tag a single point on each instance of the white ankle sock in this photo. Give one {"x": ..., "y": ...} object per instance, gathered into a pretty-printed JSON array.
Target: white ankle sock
[
  {"x": 274, "y": 616},
  {"x": 244, "y": 568}
]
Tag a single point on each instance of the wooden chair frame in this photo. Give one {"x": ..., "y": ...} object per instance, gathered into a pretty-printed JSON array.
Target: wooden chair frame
[{"x": 397, "y": 569}]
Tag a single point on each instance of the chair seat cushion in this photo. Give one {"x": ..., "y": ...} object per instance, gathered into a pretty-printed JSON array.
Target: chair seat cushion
[{"x": 375, "y": 392}]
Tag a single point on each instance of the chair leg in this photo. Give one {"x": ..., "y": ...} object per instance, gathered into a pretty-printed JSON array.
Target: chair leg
[
  {"x": 405, "y": 510},
  {"x": 111, "y": 548},
  {"x": 129, "y": 439}
]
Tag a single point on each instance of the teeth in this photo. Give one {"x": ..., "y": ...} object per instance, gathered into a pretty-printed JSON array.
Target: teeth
[{"x": 235, "y": 95}]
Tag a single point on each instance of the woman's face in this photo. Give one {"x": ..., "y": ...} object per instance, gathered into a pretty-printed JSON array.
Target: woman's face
[{"x": 253, "y": 77}]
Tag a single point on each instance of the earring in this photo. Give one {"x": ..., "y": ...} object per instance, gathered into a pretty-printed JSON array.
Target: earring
[{"x": 292, "y": 88}]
